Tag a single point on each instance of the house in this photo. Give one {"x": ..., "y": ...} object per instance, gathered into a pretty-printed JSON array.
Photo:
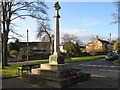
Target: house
[
  {"x": 36, "y": 46},
  {"x": 62, "y": 49},
  {"x": 97, "y": 46}
]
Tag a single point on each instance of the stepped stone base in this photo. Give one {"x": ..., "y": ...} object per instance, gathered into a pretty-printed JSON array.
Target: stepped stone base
[
  {"x": 55, "y": 76},
  {"x": 56, "y": 59},
  {"x": 54, "y": 82}
]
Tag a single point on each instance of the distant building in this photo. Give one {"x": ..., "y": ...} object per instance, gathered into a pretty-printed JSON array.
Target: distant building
[
  {"x": 97, "y": 46},
  {"x": 36, "y": 46},
  {"x": 62, "y": 49},
  {"x": 65, "y": 47}
]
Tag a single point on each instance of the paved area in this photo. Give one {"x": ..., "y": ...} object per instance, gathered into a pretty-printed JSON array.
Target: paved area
[
  {"x": 104, "y": 75},
  {"x": 17, "y": 83},
  {"x": 94, "y": 82}
]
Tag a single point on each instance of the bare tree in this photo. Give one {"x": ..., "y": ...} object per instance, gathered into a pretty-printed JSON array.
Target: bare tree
[
  {"x": 15, "y": 9},
  {"x": 80, "y": 43},
  {"x": 116, "y": 16},
  {"x": 44, "y": 31},
  {"x": 71, "y": 44},
  {"x": 69, "y": 38}
]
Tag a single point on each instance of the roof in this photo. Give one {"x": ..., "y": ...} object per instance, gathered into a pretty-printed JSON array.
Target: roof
[
  {"x": 103, "y": 41},
  {"x": 34, "y": 42}
]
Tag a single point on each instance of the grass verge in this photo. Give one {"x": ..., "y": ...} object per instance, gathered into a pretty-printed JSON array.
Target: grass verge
[
  {"x": 84, "y": 58},
  {"x": 117, "y": 61},
  {"x": 9, "y": 71},
  {"x": 72, "y": 59},
  {"x": 32, "y": 61}
]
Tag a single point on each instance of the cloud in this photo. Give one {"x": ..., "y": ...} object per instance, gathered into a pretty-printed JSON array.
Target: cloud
[
  {"x": 83, "y": 34},
  {"x": 73, "y": 31},
  {"x": 89, "y": 22},
  {"x": 113, "y": 37}
]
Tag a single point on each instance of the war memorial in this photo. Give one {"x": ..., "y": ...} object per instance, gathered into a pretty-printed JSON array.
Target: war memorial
[{"x": 56, "y": 73}]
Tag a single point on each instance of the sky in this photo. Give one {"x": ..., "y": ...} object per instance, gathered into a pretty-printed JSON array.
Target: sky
[{"x": 82, "y": 19}]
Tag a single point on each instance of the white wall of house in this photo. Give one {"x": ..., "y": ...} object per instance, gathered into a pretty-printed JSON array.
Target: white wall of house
[{"x": 62, "y": 49}]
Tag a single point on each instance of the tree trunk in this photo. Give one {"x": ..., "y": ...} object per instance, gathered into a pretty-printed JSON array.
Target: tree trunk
[
  {"x": 5, "y": 53},
  {"x": 2, "y": 63}
]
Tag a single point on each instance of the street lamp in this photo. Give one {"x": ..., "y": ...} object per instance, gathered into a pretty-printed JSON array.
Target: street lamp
[
  {"x": 110, "y": 43},
  {"x": 27, "y": 47}
]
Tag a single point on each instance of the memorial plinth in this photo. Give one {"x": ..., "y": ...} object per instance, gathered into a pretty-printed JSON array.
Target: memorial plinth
[
  {"x": 56, "y": 59},
  {"x": 55, "y": 76},
  {"x": 56, "y": 73}
]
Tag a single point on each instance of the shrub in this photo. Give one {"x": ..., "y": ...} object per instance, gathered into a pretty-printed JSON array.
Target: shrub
[
  {"x": 13, "y": 46},
  {"x": 14, "y": 53}
]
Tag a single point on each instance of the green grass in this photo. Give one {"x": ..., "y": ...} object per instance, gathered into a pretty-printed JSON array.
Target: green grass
[
  {"x": 9, "y": 71},
  {"x": 117, "y": 61},
  {"x": 72, "y": 59},
  {"x": 84, "y": 58},
  {"x": 32, "y": 61}
]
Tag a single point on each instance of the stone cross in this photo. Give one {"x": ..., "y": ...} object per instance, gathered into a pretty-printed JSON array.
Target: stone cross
[
  {"x": 56, "y": 31},
  {"x": 56, "y": 58}
]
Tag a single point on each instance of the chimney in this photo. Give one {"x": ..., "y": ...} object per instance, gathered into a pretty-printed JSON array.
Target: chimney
[{"x": 97, "y": 38}]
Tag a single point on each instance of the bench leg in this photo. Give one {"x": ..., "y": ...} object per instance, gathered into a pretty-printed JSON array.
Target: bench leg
[
  {"x": 20, "y": 71},
  {"x": 30, "y": 68}
]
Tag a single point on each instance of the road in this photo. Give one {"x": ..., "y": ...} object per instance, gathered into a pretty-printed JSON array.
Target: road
[{"x": 100, "y": 67}]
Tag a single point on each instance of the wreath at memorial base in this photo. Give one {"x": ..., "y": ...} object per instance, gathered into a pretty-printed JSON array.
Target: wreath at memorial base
[{"x": 72, "y": 75}]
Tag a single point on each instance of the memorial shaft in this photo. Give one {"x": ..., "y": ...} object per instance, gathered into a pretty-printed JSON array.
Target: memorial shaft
[
  {"x": 56, "y": 33},
  {"x": 56, "y": 58}
]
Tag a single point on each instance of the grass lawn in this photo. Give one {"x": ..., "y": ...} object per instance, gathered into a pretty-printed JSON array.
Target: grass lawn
[
  {"x": 45, "y": 60},
  {"x": 117, "y": 61},
  {"x": 73, "y": 59},
  {"x": 84, "y": 58},
  {"x": 9, "y": 71}
]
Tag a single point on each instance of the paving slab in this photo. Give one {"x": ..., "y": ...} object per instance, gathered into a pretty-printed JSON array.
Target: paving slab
[{"x": 94, "y": 82}]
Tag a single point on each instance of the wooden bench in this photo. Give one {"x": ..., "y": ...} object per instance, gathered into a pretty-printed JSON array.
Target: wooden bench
[{"x": 27, "y": 67}]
